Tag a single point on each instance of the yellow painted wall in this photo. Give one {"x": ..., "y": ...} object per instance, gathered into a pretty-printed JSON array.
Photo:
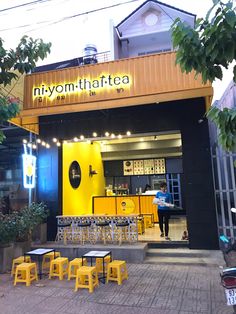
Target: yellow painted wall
[{"x": 79, "y": 201}]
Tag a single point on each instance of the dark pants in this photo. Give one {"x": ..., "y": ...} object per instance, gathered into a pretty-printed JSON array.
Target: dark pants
[{"x": 164, "y": 219}]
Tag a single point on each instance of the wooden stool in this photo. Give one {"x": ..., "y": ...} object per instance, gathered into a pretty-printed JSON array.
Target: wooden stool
[
  {"x": 26, "y": 272},
  {"x": 47, "y": 258},
  {"x": 58, "y": 267},
  {"x": 117, "y": 271},
  {"x": 17, "y": 261},
  {"x": 74, "y": 265},
  {"x": 99, "y": 264},
  {"x": 86, "y": 277}
]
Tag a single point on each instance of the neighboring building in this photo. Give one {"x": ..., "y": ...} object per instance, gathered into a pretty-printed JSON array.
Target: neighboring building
[{"x": 139, "y": 89}]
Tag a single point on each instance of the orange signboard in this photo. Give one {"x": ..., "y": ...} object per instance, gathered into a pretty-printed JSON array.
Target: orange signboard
[{"x": 118, "y": 83}]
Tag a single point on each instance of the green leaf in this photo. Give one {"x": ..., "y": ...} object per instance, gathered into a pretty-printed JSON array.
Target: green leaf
[
  {"x": 234, "y": 71},
  {"x": 230, "y": 18}
]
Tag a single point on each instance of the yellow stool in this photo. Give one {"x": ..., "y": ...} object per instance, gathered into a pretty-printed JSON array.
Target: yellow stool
[
  {"x": 86, "y": 277},
  {"x": 99, "y": 264},
  {"x": 17, "y": 261},
  {"x": 147, "y": 222},
  {"x": 58, "y": 267},
  {"x": 47, "y": 258},
  {"x": 26, "y": 272},
  {"x": 141, "y": 228},
  {"x": 117, "y": 271},
  {"x": 74, "y": 265}
]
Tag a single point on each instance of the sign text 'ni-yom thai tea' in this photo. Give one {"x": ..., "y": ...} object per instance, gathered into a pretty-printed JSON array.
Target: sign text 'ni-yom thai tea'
[{"x": 91, "y": 86}]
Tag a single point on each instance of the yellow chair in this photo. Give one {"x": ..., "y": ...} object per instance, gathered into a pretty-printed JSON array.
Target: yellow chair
[
  {"x": 117, "y": 271},
  {"x": 74, "y": 265},
  {"x": 47, "y": 258},
  {"x": 99, "y": 264},
  {"x": 58, "y": 267},
  {"x": 17, "y": 261},
  {"x": 86, "y": 277},
  {"x": 26, "y": 272}
]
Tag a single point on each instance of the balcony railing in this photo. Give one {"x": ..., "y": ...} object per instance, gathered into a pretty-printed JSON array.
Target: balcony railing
[{"x": 80, "y": 61}]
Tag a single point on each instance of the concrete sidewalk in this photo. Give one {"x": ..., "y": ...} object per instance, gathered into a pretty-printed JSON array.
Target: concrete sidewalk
[{"x": 150, "y": 289}]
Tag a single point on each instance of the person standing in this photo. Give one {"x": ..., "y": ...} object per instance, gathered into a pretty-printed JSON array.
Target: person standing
[{"x": 165, "y": 199}]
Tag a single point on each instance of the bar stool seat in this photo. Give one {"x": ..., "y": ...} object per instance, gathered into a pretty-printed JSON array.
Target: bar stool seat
[
  {"x": 103, "y": 231},
  {"x": 83, "y": 231},
  {"x": 66, "y": 227},
  {"x": 122, "y": 231}
]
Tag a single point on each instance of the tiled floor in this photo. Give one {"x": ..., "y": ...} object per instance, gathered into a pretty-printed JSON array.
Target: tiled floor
[
  {"x": 150, "y": 289},
  {"x": 177, "y": 225}
]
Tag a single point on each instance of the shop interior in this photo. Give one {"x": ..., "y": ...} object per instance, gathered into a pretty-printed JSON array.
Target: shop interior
[{"x": 130, "y": 169}]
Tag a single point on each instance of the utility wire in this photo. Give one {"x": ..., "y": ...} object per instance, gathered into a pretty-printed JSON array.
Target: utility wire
[
  {"x": 23, "y": 5},
  {"x": 51, "y": 22}
]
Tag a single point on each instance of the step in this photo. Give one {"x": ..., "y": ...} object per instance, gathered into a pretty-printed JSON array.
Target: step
[
  {"x": 184, "y": 256},
  {"x": 180, "y": 252}
]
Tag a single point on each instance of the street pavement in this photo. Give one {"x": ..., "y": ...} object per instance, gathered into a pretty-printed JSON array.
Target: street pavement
[{"x": 150, "y": 289}]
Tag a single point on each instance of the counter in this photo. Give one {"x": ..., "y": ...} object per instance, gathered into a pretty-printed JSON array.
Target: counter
[{"x": 124, "y": 205}]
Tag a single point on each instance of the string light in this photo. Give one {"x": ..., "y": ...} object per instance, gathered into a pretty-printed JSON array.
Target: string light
[{"x": 38, "y": 141}]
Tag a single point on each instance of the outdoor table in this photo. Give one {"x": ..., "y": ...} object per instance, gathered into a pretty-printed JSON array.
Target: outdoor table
[
  {"x": 39, "y": 254},
  {"x": 98, "y": 254}
]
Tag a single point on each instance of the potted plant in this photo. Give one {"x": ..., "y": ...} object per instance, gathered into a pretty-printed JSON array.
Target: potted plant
[
  {"x": 26, "y": 221},
  {"x": 40, "y": 213},
  {"x": 7, "y": 236}
]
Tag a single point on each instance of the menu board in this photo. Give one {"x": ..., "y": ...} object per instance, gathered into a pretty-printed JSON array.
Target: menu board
[
  {"x": 128, "y": 167},
  {"x": 138, "y": 167},
  {"x": 159, "y": 166},
  {"x": 149, "y": 166},
  {"x": 144, "y": 166}
]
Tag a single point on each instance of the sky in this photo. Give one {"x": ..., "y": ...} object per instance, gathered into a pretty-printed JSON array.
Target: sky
[{"x": 71, "y": 24}]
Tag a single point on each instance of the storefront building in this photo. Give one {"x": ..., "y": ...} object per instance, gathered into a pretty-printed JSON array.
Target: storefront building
[{"x": 140, "y": 91}]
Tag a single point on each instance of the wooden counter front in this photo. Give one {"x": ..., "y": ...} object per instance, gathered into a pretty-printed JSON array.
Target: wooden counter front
[{"x": 124, "y": 205}]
